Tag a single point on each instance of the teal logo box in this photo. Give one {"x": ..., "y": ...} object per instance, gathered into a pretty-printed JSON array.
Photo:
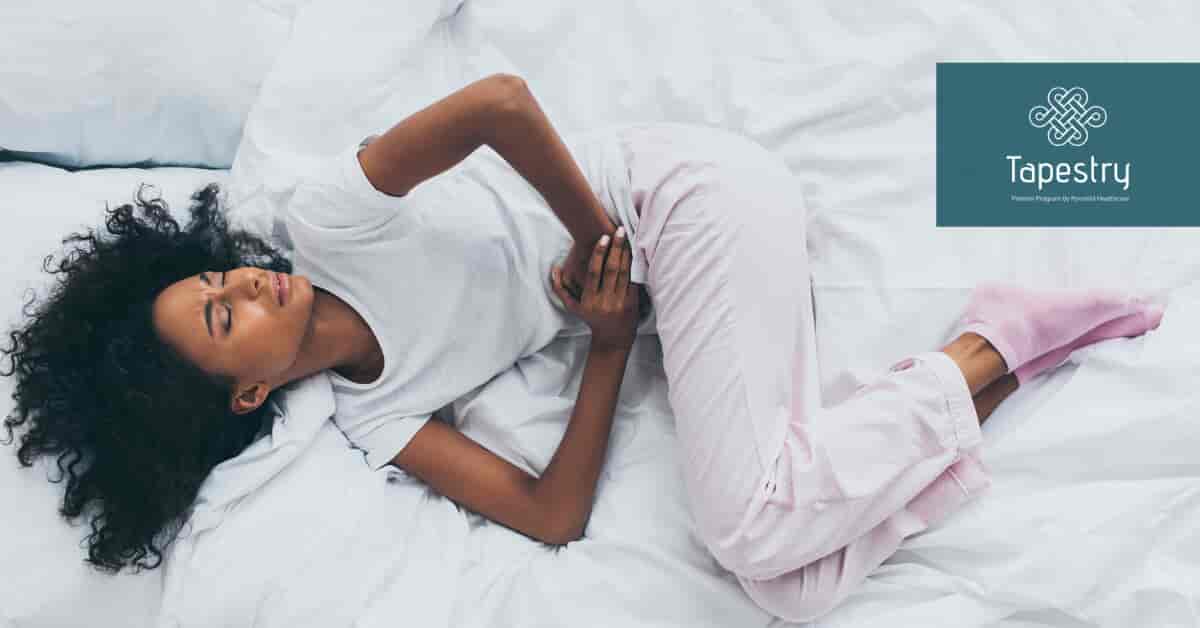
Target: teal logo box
[{"x": 1068, "y": 144}]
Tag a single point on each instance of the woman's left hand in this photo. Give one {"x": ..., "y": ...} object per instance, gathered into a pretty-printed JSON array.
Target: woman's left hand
[
  {"x": 609, "y": 304},
  {"x": 574, "y": 268},
  {"x": 577, "y": 261}
]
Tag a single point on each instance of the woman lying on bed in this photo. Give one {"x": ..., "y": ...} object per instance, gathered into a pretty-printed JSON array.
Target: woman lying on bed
[{"x": 413, "y": 282}]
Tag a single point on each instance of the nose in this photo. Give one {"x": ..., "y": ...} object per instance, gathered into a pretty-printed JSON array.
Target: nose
[{"x": 249, "y": 286}]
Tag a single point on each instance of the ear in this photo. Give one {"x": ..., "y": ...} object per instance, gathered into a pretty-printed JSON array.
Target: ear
[{"x": 250, "y": 398}]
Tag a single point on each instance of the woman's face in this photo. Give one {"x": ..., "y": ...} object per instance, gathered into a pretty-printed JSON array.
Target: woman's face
[{"x": 233, "y": 323}]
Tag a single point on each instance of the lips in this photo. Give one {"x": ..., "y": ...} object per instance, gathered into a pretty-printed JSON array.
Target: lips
[{"x": 277, "y": 288}]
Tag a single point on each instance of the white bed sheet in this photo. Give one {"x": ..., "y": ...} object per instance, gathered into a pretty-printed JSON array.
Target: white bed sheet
[
  {"x": 1093, "y": 516},
  {"x": 300, "y": 532},
  {"x": 44, "y": 582}
]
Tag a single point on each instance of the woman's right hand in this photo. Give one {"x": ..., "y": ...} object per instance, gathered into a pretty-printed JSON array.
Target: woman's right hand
[{"x": 609, "y": 303}]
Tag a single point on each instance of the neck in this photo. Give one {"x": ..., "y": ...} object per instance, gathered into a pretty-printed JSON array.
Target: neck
[{"x": 334, "y": 340}]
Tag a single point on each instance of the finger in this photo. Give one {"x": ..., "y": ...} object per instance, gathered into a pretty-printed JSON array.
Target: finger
[
  {"x": 570, "y": 285},
  {"x": 612, "y": 263},
  {"x": 567, "y": 298},
  {"x": 623, "y": 272},
  {"x": 596, "y": 265}
]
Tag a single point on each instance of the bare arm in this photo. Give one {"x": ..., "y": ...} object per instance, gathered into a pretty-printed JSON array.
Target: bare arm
[
  {"x": 554, "y": 508},
  {"x": 528, "y": 142},
  {"x": 501, "y": 112},
  {"x": 435, "y": 138}
]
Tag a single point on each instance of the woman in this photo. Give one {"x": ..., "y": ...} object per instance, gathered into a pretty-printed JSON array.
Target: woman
[{"x": 411, "y": 289}]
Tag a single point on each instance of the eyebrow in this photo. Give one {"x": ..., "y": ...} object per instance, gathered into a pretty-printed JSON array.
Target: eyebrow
[{"x": 207, "y": 308}]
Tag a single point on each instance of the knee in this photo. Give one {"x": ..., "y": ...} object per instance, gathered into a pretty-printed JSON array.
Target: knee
[
  {"x": 745, "y": 538},
  {"x": 723, "y": 534},
  {"x": 793, "y": 597},
  {"x": 743, "y": 555},
  {"x": 800, "y": 594}
]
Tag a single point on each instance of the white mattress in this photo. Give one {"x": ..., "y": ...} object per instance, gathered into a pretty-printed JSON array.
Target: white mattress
[{"x": 1094, "y": 515}]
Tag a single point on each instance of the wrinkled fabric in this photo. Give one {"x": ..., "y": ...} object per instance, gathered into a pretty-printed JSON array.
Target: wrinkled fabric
[
  {"x": 453, "y": 277},
  {"x": 800, "y": 501}
]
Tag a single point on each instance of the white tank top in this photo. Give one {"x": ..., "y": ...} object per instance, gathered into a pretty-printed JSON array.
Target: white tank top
[{"x": 452, "y": 278}]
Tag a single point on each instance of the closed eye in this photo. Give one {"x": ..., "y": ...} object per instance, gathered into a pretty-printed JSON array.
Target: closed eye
[{"x": 228, "y": 308}]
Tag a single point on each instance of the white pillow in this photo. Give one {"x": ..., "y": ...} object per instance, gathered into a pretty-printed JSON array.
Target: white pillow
[
  {"x": 134, "y": 81},
  {"x": 45, "y": 581},
  {"x": 350, "y": 68}
]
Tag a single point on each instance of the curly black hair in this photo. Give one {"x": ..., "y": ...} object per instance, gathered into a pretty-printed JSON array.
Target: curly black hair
[{"x": 135, "y": 427}]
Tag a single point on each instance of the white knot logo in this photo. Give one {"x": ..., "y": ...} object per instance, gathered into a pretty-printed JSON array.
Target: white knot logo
[{"x": 1068, "y": 116}]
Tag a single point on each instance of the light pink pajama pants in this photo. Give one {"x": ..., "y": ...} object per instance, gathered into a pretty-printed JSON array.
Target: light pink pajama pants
[{"x": 801, "y": 502}]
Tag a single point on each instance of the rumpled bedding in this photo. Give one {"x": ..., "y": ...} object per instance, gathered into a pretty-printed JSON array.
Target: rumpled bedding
[
  {"x": 1093, "y": 511},
  {"x": 1093, "y": 515}
]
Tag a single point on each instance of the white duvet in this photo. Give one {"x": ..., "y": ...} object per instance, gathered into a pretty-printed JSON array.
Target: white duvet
[{"x": 1094, "y": 515}]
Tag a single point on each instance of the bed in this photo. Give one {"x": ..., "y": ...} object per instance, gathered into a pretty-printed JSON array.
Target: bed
[{"x": 1093, "y": 518}]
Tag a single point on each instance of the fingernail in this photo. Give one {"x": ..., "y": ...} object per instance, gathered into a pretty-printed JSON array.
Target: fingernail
[
  {"x": 604, "y": 240},
  {"x": 620, "y": 232}
]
